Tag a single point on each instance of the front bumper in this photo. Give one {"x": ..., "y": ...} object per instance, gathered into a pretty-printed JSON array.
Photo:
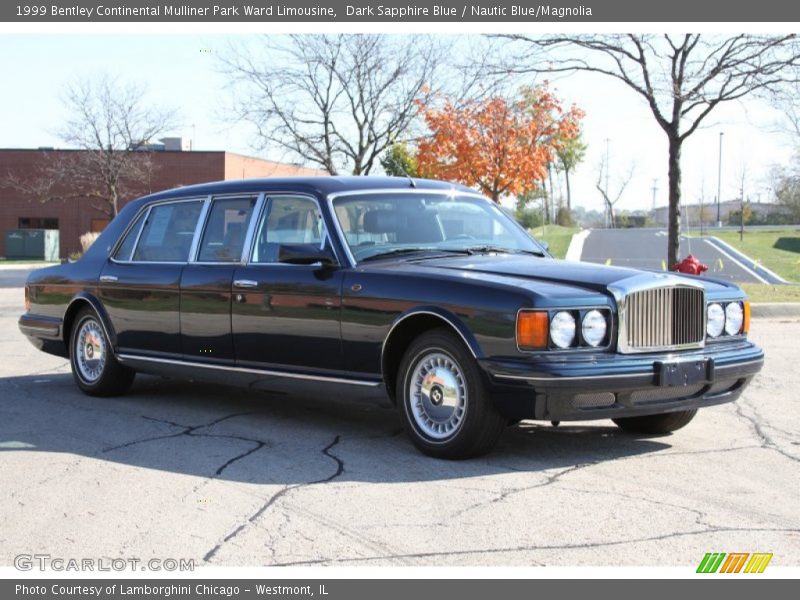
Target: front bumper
[{"x": 568, "y": 387}]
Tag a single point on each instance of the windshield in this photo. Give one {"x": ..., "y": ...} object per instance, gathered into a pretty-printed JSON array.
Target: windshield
[{"x": 379, "y": 224}]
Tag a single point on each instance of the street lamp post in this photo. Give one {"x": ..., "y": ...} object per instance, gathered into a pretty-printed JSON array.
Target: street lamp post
[
  {"x": 607, "y": 208},
  {"x": 719, "y": 180}
]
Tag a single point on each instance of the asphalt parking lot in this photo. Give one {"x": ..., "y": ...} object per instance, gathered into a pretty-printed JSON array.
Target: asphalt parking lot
[
  {"x": 645, "y": 249},
  {"x": 231, "y": 477}
]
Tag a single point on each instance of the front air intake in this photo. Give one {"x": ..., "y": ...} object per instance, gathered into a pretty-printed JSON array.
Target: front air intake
[{"x": 663, "y": 318}]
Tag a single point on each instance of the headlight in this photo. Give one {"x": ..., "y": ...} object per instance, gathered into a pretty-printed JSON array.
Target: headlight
[
  {"x": 734, "y": 318},
  {"x": 715, "y": 320},
  {"x": 593, "y": 327},
  {"x": 562, "y": 329}
]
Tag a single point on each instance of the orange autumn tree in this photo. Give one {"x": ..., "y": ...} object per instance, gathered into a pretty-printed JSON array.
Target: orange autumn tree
[{"x": 501, "y": 146}]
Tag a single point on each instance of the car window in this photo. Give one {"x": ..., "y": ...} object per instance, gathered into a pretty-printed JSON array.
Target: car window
[
  {"x": 376, "y": 224},
  {"x": 168, "y": 231},
  {"x": 288, "y": 220},
  {"x": 126, "y": 247},
  {"x": 223, "y": 238}
]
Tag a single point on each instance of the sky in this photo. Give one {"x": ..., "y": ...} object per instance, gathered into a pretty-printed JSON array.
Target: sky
[{"x": 181, "y": 71}]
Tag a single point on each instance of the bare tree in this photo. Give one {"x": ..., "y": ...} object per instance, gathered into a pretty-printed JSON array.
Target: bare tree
[
  {"x": 784, "y": 98},
  {"x": 109, "y": 123},
  {"x": 682, "y": 78},
  {"x": 336, "y": 101},
  {"x": 610, "y": 198}
]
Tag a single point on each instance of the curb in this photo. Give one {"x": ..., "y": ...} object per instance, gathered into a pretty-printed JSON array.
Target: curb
[
  {"x": 771, "y": 310},
  {"x": 575, "y": 250}
]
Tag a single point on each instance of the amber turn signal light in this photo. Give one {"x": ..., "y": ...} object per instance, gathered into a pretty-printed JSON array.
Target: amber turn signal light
[
  {"x": 27, "y": 299},
  {"x": 532, "y": 329},
  {"x": 746, "y": 321}
]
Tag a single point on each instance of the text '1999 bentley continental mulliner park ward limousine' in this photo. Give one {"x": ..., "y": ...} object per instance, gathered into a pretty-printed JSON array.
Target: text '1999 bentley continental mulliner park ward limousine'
[{"x": 422, "y": 290}]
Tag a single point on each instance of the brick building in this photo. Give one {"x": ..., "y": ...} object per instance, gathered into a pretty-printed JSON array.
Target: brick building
[{"x": 171, "y": 168}]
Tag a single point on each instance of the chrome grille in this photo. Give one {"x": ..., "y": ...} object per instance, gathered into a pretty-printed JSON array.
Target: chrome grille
[{"x": 663, "y": 318}]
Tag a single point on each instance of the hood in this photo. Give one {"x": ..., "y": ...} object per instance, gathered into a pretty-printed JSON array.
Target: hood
[
  {"x": 587, "y": 275},
  {"x": 595, "y": 277}
]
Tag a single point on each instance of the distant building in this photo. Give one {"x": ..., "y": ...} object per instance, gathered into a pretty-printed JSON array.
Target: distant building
[
  {"x": 173, "y": 166},
  {"x": 691, "y": 212}
]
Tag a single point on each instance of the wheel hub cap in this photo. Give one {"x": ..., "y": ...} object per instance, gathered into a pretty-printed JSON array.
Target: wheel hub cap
[
  {"x": 438, "y": 395},
  {"x": 90, "y": 351}
]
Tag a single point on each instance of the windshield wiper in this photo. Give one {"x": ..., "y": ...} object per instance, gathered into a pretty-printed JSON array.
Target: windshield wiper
[
  {"x": 401, "y": 251},
  {"x": 396, "y": 252},
  {"x": 488, "y": 249}
]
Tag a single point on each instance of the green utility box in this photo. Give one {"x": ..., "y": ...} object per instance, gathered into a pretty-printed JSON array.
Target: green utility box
[{"x": 32, "y": 244}]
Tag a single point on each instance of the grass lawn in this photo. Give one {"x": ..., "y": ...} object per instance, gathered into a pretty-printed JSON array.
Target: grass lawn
[
  {"x": 558, "y": 237},
  {"x": 777, "y": 250},
  {"x": 759, "y": 292}
]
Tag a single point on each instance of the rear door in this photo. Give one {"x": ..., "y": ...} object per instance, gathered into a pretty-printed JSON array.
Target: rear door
[
  {"x": 140, "y": 284},
  {"x": 205, "y": 287}
]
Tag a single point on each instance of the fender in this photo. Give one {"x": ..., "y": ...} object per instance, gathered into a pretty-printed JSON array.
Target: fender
[
  {"x": 448, "y": 317},
  {"x": 74, "y": 305}
]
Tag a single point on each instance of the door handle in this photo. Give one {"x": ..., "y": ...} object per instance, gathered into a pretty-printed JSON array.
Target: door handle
[
  {"x": 245, "y": 283},
  {"x": 108, "y": 278}
]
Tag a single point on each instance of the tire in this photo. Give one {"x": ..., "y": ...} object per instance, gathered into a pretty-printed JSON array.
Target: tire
[
  {"x": 656, "y": 424},
  {"x": 454, "y": 417},
  {"x": 94, "y": 367}
]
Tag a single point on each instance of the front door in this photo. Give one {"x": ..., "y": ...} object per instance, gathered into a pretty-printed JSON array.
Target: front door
[{"x": 287, "y": 316}]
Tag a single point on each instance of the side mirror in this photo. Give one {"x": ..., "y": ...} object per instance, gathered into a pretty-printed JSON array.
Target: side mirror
[
  {"x": 544, "y": 245},
  {"x": 305, "y": 254}
]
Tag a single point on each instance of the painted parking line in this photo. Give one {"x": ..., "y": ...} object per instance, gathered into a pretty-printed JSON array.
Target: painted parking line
[{"x": 734, "y": 260}]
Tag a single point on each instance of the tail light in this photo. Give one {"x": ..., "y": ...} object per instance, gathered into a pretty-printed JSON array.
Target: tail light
[{"x": 27, "y": 299}]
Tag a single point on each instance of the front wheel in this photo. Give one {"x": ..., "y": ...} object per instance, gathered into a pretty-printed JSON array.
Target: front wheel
[
  {"x": 94, "y": 366},
  {"x": 445, "y": 407},
  {"x": 656, "y": 424}
]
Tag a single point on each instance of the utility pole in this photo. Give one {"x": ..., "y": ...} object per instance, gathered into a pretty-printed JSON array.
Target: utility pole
[
  {"x": 719, "y": 179},
  {"x": 741, "y": 211},
  {"x": 607, "y": 209},
  {"x": 655, "y": 189}
]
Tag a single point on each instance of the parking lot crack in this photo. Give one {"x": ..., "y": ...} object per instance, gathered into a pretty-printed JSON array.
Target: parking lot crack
[
  {"x": 761, "y": 435},
  {"x": 505, "y": 494},
  {"x": 327, "y": 451},
  {"x": 538, "y": 548}
]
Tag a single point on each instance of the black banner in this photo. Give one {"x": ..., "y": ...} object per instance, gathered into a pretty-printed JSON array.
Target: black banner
[
  {"x": 385, "y": 589},
  {"x": 338, "y": 11}
]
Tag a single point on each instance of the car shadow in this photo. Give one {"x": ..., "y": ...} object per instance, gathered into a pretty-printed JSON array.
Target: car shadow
[{"x": 218, "y": 432}]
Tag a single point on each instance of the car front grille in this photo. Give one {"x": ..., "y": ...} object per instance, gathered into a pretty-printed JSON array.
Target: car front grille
[{"x": 663, "y": 318}]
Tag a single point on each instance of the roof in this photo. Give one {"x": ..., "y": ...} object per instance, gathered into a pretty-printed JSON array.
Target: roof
[{"x": 317, "y": 185}]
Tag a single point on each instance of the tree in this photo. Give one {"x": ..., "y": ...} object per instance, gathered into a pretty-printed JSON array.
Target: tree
[
  {"x": 786, "y": 185},
  {"x": 400, "y": 161},
  {"x": 501, "y": 146},
  {"x": 335, "y": 101},
  {"x": 569, "y": 155},
  {"x": 109, "y": 122},
  {"x": 682, "y": 78},
  {"x": 610, "y": 198}
]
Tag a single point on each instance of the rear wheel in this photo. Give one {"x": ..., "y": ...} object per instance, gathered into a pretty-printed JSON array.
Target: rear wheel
[
  {"x": 94, "y": 366},
  {"x": 655, "y": 424},
  {"x": 445, "y": 407}
]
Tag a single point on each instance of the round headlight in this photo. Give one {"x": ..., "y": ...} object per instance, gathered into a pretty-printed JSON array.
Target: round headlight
[
  {"x": 715, "y": 320},
  {"x": 593, "y": 327},
  {"x": 562, "y": 329},
  {"x": 734, "y": 317}
]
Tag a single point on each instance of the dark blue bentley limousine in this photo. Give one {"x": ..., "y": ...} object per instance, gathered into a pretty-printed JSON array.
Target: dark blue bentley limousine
[{"x": 423, "y": 289}]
